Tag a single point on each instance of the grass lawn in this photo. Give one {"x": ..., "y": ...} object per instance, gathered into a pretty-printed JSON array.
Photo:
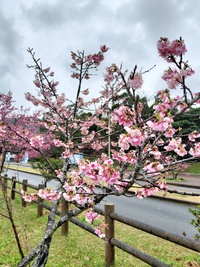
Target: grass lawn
[
  {"x": 194, "y": 168},
  {"x": 20, "y": 167},
  {"x": 82, "y": 249}
]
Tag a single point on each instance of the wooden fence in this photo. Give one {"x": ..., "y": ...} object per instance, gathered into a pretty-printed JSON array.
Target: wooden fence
[{"x": 110, "y": 217}]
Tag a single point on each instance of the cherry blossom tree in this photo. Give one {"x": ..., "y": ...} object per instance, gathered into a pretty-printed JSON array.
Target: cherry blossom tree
[
  {"x": 19, "y": 133},
  {"x": 9, "y": 142},
  {"x": 143, "y": 150}
]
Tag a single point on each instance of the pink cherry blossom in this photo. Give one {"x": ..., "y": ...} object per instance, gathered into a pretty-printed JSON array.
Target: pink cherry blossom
[
  {"x": 178, "y": 47},
  {"x": 108, "y": 161},
  {"x": 146, "y": 192},
  {"x": 49, "y": 194},
  {"x": 37, "y": 141},
  {"x": 124, "y": 116},
  {"x": 192, "y": 137},
  {"x": 104, "y": 48},
  {"x": 195, "y": 151},
  {"x": 85, "y": 92},
  {"x": 28, "y": 197},
  {"x": 91, "y": 216},
  {"x": 173, "y": 144},
  {"x": 166, "y": 48},
  {"x": 162, "y": 185},
  {"x": 99, "y": 233},
  {"x": 160, "y": 126},
  {"x": 84, "y": 130},
  {"x": 163, "y": 46},
  {"x": 124, "y": 142},
  {"x": 123, "y": 157},
  {"x": 170, "y": 132},
  {"x": 46, "y": 70},
  {"x": 58, "y": 143},
  {"x": 153, "y": 168},
  {"x": 180, "y": 150},
  {"x": 136, "y": 82},
  {"x": 59, "y": 174},
  {"x": 135, "y": 136},
  {"x": 156, "y": 153},
  {"x": 172, "y": 77}
]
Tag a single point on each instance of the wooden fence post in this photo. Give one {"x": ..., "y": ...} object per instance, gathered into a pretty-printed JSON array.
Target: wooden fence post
[
  {"x": 24, "y": 188},
  {"x": 40, "y": 200},
  {"x": 64, "y": 210},
  {"x": 13, "y": 187},
  {"x": 5, "y": 183},
  {"x": 109, "y": 233}
]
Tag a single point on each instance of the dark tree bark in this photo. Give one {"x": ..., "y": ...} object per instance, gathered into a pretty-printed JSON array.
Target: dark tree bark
[
  {"x": 41, "y": 252},
  {"x": 9, "y": 215}
]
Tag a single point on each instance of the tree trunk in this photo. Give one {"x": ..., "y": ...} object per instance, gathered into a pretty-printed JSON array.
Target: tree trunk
[
  {"x": 9, "y": 208},
  {"x": 43, "y": 254}
]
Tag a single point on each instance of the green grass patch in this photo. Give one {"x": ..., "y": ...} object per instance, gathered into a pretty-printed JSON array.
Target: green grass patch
[
  {"x": 81, "y": 248},
  {"x": 194, "y": 168},
  {"x": 21, "y": 168},
  {"x": 175, "y": 179}
]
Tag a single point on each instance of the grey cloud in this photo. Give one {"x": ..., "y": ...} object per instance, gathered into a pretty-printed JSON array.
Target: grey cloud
[
  {"x": 160, "y": 18},
  {"x": 10, "y": 47},
  {"x": 42, "y": 14},
  {"x": 10, "y": 38},
  {"x": 155, "y": 16},
  {"x": 142, "y": 23}
]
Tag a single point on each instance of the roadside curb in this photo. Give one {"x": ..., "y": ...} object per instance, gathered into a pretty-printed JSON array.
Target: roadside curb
[
  {"x": 184, "y": 185},
  {"x": 14, "y": 169},
  {"x": 178, "y": 200},
  {"x": 172, "y": 199}
]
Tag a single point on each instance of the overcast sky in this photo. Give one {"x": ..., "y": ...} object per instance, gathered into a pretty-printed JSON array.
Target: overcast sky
[{"x": 130, "y": 28}]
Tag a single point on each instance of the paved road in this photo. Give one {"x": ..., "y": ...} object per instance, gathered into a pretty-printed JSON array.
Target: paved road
[{"x": 166, "y": 215}]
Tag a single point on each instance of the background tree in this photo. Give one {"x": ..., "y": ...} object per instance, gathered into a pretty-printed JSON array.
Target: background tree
[
  {"x": 189, "y": 121},
  {"x": 11, "y": 143}
]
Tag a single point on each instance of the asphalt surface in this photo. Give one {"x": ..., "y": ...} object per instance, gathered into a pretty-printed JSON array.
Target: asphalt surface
[
  {"x": 170, "y": 216},
  {"x": 191, "y": 181}
]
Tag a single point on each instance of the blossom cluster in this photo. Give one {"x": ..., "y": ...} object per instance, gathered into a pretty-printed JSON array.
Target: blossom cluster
[
  {"x": 86, "y": 62},
  {"x": 174, "y": 77},
  {"x": 100, "y": 173},
  {"x": 78, "y": 191},
  {"x": 91, "y": 217},
  {"x": 149, "y": 191},
  {"x": 169, "y": 49},
  {"x": 49, "y": 194},
  {"x": 124, "y": 116},
  {"x": 134, "y": 137},
  {"x": 134, "y": 80},
  {"x": 28, "y": 197}
]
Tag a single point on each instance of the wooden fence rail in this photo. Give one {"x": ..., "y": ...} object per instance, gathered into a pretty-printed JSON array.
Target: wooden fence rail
[{"x": 110, "y": 217}]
